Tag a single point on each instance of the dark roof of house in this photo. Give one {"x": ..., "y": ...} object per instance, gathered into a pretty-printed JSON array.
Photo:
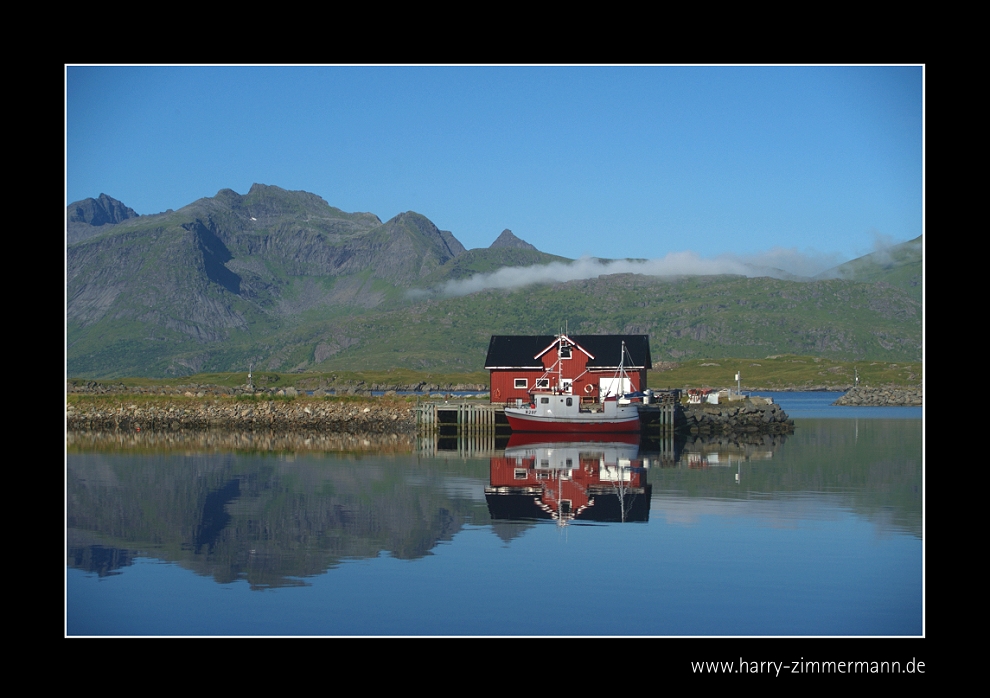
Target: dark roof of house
[
  {"x": 507, "y": 351},
  {"x": 515, "y": 506}
]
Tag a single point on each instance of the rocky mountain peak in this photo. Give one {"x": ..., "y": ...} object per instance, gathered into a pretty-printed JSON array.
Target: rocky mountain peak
[
  {"x": 508, "y": 240},
  {"x": 101, "y": 211},
  {"x": 445, "y": 241}
]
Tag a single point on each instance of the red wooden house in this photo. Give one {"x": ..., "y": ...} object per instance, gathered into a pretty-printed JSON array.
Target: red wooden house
[{"x": 585, "y": 365}]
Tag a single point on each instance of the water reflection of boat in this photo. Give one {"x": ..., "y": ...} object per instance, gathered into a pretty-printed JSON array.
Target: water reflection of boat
[
  {"x": 566, "y": 480},
  {"x": 521, "y": 439}
]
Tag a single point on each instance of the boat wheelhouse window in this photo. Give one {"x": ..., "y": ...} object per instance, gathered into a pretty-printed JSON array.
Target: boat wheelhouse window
[
  {"x": 544, "y": 401},
  {"x": 570, "y": 402},
  {"x": 542, "y": 382},
  {"x": 520, "y": 383}
]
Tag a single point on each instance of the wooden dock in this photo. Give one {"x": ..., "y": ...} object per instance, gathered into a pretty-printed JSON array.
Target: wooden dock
[{"x": 466, "y": 417}]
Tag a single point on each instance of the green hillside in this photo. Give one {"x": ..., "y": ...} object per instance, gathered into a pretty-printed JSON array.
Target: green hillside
[
  {"x": 685, "y": 318},
  {"x": 900, "y": 266}
]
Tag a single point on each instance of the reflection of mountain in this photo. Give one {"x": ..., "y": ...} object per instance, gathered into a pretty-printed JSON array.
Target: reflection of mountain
[
  {"x": 215, "y": 517},
  {"x": 271, "y": 520},
  {"x": 508, "y": 530},
  {"x": 567, "y": 480},
  {"x": 97, "y": 558},
  {"x": 261, "y": 519},
  {"x": 872, "y": 467}
]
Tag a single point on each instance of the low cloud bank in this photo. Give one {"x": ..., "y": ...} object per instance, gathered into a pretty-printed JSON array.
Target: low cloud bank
[{"x": 778, "y": 263}]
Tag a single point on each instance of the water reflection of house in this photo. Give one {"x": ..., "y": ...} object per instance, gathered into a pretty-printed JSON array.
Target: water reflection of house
[
  {"x": 723, "y": 458},
  {"x": 565, "y": 481},
  {"x": 587, "y": 365}
]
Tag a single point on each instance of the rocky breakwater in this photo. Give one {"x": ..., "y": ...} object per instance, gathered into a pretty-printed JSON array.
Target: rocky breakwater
[
  {"x": 883, "y": 396},
  {"x": 752, "y": 415},
  {"x": 370, "y": 416},
  {"x": 314, "y": 387}
]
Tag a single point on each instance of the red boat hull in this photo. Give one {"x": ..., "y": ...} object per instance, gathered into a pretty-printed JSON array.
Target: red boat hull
[{"x": 552, "y": 426}]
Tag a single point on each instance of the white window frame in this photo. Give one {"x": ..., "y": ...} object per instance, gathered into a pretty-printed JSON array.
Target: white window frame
[
  {"x": 520, "y": 383},
  {"x": 542, "y": 383}
]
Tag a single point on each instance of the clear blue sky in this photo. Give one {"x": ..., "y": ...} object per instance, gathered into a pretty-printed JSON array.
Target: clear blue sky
[{"x": 606, "y": 161}]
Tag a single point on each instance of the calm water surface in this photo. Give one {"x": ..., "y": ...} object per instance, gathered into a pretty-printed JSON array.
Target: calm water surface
[{"x": 818, "y": 533}]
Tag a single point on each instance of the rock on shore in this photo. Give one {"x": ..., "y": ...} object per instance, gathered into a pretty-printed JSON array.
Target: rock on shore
[
  {"x": 862, "y": 396},
  {"x": 750, "y": 415}
]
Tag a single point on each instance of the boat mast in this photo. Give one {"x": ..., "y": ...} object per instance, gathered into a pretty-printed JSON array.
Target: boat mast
[
  {"x": 622, "y": 370},
  {"x": 622, "y": 362},
  {"x": 620, "y": 373}
]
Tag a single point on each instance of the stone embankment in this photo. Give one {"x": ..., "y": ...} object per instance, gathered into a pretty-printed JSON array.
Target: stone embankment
[
  {"x": 862, "y": 396},
  {"x": 372, "y": 416},
  {"x": 754, "y": 415},
  {"x": 337, "y": 388}
]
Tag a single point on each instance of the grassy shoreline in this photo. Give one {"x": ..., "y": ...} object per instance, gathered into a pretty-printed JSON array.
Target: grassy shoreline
[
  {"x": 782, "y": 372},
  {"x": 785, "y": 372}
]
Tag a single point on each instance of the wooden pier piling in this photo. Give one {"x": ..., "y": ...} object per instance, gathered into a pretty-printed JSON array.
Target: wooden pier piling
[{"x": 460, "y": 416}]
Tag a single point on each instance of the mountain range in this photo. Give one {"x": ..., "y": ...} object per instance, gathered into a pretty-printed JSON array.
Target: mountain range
[{"x": 283, "y": 281}]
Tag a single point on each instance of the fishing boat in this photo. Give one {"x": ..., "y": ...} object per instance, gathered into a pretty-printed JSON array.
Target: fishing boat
[{"x": 558, "y": 410}]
